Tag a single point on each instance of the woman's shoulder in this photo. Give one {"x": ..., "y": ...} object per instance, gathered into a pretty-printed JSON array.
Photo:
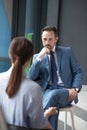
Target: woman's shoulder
[
  {"x": 4, "y": 76},
  {"x": 5, "y": 73},
  {"x": 30, "y": 85}
]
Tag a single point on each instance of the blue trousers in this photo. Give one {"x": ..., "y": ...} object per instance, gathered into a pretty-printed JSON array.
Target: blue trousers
[{"x": 55, "y": 97}]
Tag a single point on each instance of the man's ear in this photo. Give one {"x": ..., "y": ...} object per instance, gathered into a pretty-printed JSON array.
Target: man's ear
[{"x": 57, "y": 38}]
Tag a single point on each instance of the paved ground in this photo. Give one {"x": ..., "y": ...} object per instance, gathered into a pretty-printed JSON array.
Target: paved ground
[{"x": 80, "y": 113}]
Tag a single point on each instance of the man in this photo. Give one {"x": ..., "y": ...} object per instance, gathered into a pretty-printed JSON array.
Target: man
[{"x": 59, "y": 88}]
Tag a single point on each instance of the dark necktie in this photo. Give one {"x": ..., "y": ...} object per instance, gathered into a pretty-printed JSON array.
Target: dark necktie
[{"x": 53, "y": 70}]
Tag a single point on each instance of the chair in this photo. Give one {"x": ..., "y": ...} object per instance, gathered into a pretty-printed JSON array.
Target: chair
[{"x": 66, "y": 110}]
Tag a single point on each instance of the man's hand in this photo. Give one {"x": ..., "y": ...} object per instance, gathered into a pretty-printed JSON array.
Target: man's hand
[
  {"x": 43, "y": 52},
  {"x": 72, "y": 94}
]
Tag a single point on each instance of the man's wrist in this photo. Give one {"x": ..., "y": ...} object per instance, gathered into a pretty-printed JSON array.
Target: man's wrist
[{"x": 38, "y": 58}]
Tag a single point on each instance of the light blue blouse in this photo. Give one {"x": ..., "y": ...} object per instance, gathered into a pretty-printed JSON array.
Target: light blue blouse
[{"x": 25, "y": 108}]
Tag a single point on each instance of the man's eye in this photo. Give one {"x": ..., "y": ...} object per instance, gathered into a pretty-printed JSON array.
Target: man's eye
[
  {"x": 50, "y": 39},
  {"x": 45, "y": 39}
]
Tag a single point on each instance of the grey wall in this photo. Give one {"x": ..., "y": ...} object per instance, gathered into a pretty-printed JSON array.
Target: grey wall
[
  {"x": 70, "y": 17},
  {"x": 52, "y": 12},
  {"x": 73, "y": 29}
]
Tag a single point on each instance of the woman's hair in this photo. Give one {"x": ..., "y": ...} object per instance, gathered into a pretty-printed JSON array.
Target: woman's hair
[{"x": 20, "y": 51}]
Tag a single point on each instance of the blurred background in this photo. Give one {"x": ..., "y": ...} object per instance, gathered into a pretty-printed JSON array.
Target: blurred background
[{"x": 28, "y": 17}]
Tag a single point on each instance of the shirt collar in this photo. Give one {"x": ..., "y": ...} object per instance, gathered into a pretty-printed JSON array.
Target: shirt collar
[{"x": 54, "y": 48}]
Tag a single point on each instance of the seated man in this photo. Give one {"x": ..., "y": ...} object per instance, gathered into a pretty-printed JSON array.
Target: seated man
[{"x": 59, "y": 73}]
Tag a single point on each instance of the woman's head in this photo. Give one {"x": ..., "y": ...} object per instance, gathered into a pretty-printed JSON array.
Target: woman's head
[
  {"x": 20, "y": 52},
  {"x": 20, "y": 49}
]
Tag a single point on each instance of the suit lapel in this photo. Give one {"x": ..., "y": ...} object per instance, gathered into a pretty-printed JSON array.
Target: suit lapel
[
  {"x": 46, "y": 62},
  {"x": 59, "y": 56}
]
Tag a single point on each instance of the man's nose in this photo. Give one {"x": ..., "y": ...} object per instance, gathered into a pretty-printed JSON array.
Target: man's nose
[{"x": 47, "y": 42}]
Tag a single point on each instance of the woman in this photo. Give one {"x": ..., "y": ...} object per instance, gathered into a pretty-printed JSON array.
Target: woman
[{"x": 20, "y": 98}]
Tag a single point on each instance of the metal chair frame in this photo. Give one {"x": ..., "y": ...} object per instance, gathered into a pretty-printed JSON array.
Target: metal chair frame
[{"x": 66, "y": 110}]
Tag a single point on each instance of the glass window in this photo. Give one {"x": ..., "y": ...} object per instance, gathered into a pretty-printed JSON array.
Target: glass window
[{"x": 5, "y": 33}]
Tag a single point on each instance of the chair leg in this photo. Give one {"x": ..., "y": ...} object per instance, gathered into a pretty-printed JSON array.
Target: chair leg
[
  {"x": 65, "y": 123},
  {"x": 66, "y": 110},
  {"x": 72, "y": 119}
]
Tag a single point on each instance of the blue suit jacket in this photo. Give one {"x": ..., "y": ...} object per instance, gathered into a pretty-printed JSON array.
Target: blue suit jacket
[{"x": 69, "y": 69}]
